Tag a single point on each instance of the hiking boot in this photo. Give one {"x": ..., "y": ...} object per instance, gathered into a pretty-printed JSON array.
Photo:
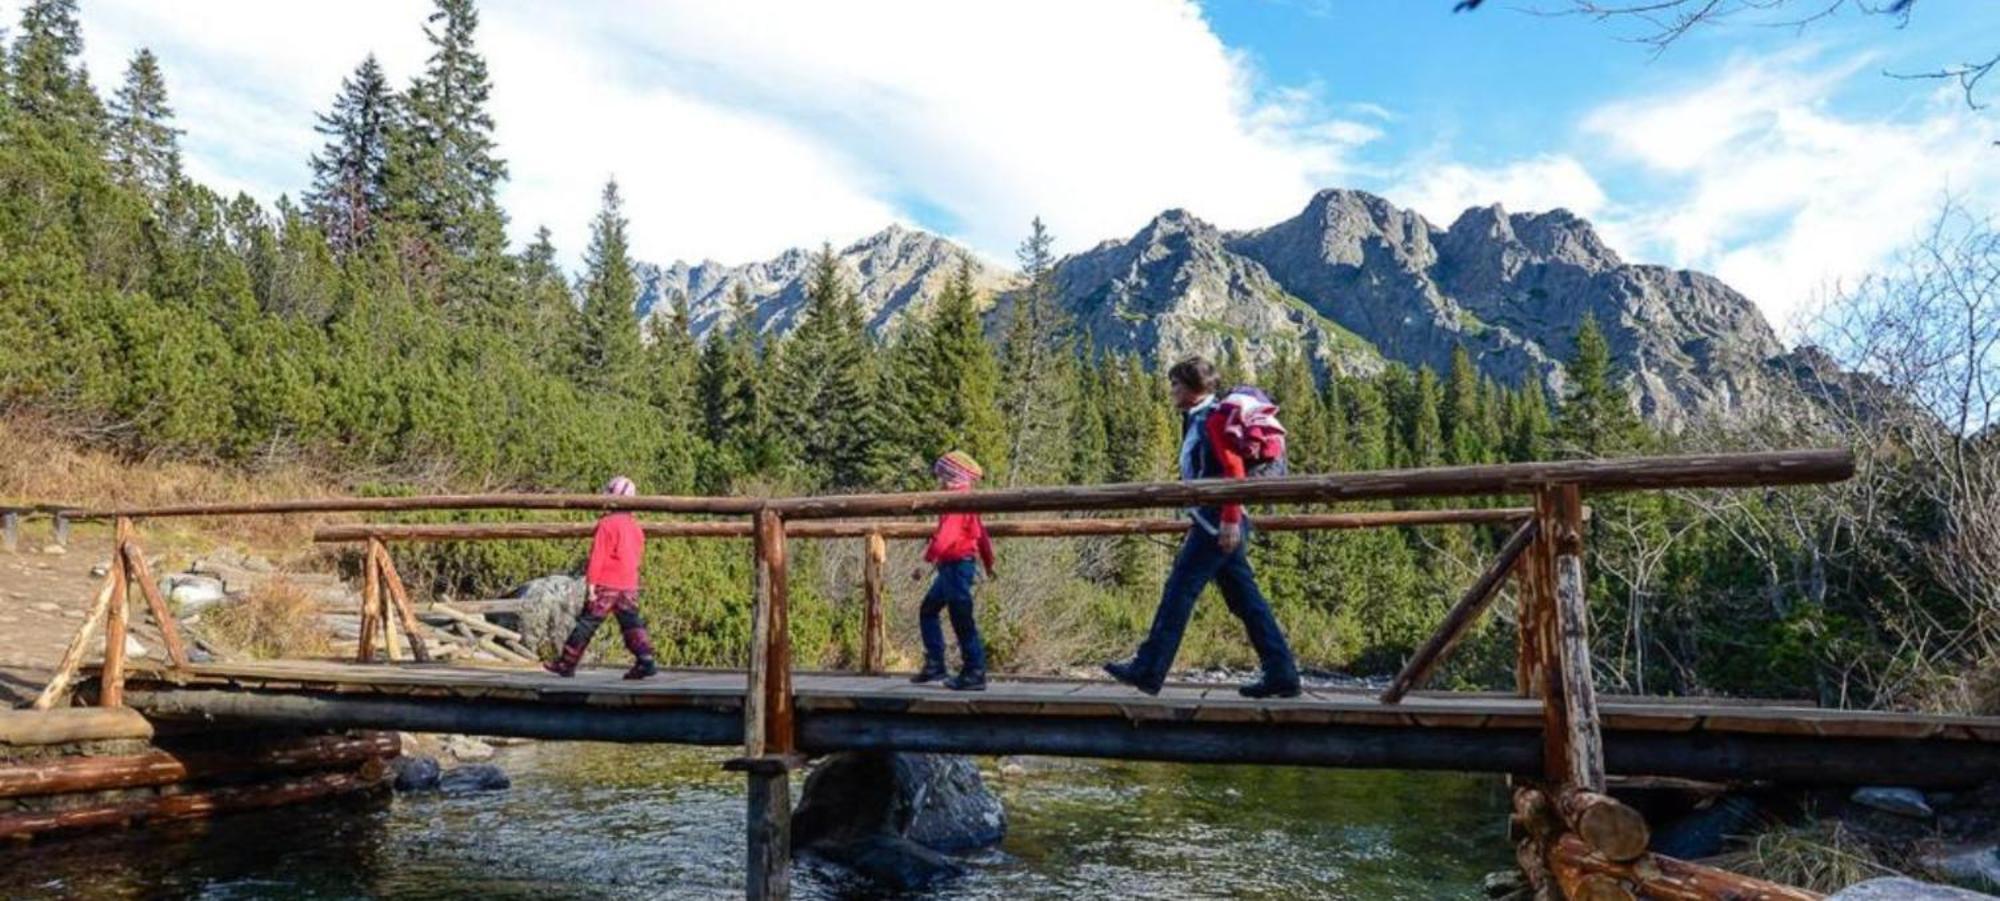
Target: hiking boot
[
  {"x": 1268, "y": 687},
  {"x": 1127, "y": 671},
  {"x": 643, "y": 668},
  {"x": 931, "y": 672},
  {"x": 967, "y": 680},
  {"x": 560, "y": 668}
]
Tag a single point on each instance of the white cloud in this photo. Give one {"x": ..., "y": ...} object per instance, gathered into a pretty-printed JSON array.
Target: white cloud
[
  {"x": 1754, "y": 176},
  {"x": 739, "y": 129},
  {"x": 1442, "y": 191}
]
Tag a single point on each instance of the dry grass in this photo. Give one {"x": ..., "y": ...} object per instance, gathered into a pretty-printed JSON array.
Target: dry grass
[
  {"x": 278, "y": 619},
  {"x": 43, "y": 464},
  {"x": 1824, "y": 856}
]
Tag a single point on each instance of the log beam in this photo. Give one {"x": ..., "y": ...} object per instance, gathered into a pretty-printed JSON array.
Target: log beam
[
  {"x": 1462, "y": 616},
  {"x": 914, "y": 531},
  {"x": 64, "y": 725},
  {"x": 72, "y": 657},
  {"x": 63, "y": 775},
  {"x": 194, "y": 805},
  {"x": 1582, "y": 739},
  {"x": 163, "y": 616},
  {"x": 1663, "y": 878},
  {"x": 111, "y": 680}
]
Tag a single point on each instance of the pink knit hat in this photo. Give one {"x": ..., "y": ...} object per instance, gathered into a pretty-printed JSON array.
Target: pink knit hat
[
  {"x": 958, "y": 468},
  {"x": 621, "y": 486}
]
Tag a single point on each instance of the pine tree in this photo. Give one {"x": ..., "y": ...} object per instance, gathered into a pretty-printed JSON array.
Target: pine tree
[
  {"x": 831, "y": 384},
  {"x": 1426, "y": 431},
  {"x": 670, "y": 374},
  {"x": 144, "y": 152},
  {"x": 443, "y": 174},
  {"x": 1089, "y": 432},
  {"x": 1031, "y": 359},
  {"x": 727, "y": 390},
  {"x": 608, "y": 358},
  {"x": 1528, "y": 424},
  {"x": 1462, "y": 413},
  {"x": 51, "y": 89},
  {"x": 1596, "y": 417},
  {"x": 960, "y": 376},
  {"x": 348, "y": 195}
]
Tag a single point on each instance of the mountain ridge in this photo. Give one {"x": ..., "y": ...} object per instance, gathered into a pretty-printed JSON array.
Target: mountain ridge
[{"x": 1352, "y": 281}]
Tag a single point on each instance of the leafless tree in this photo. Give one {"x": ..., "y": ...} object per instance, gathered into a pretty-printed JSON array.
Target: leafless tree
[{"x": 1660, "y": 23}]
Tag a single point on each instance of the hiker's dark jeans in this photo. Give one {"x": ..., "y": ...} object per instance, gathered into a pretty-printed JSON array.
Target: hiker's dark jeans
[
  {"x": 1201, "y": 561},
  {"x": 952, "y": 588}
]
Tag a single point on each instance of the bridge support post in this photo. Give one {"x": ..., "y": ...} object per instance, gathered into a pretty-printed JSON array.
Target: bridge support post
[
  {"x": 10, "y": 530},
  {"x": 62, "y": 529},
  {"x": 769, "y": 737}
]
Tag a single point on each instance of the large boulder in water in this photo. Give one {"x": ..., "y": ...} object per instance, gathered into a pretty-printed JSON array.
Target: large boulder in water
[
  {"x": 548, "y": 610},
  {"x": 890, "y": 817}
]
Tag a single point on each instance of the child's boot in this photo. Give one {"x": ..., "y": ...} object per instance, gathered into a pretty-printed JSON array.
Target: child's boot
[{"x": 644, "y": 667}]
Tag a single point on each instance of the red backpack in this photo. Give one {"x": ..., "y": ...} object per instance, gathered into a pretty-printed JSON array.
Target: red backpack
[{"x": 1250, "y": 425}]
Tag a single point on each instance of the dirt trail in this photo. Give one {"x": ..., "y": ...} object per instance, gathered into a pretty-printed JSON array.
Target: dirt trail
[{"x": 44, "y": 598}]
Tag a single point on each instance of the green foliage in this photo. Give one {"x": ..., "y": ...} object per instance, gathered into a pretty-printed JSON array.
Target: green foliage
[{"x": 380, "y": 327}]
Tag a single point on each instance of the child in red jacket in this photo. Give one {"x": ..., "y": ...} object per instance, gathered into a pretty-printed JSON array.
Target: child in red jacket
[
  {"x": 611, "y": 585},
  {"x": 959, "y": 541}
]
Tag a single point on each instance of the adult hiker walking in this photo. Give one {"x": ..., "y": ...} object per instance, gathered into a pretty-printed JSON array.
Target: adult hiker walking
[
  {"x": 1216, "y": 549},
  {"x": 611, "y": 586}
]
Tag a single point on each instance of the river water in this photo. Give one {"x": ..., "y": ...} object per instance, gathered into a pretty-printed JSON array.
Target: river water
[{"x": 610, "y": 821}]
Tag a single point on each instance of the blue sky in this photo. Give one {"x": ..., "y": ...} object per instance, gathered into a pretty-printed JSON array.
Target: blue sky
[{"x": 1780, "y": 159}]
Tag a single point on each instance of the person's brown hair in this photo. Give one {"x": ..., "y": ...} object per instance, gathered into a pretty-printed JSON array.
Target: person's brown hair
[{"x": 1195, "y": 374}]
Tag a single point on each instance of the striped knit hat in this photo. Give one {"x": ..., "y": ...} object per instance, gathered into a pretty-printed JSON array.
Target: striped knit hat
[
  {"x": 621, "y": 486},
  {"x": 958, "y": 468}
]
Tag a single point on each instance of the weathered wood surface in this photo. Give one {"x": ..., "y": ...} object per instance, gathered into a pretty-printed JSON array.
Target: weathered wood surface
[
  {"x": 597, "y": 502},
  {"x": 875, "y": 556},
  {"x": 1584, "y": 754},
  {"x": 142, "y": 573},
  {"x": 1610, "y": 828},
  {"x": 405, "y": 613},
  {"x": 1629, "y": 474},
  {"x": 907, "y": 531},
  {"x": 768, "y": 839},
  {"x": 1662, "y": 878},
  {"x": 61, "y": 775},
  {"x": 828, "y": 692},
  {"x": 72, "y": 657},
  {"x": 195, "y": 805},
  {"x": 65, "y": 725},
  {"x": 1466, "y": 612},
  {"x": 111, "y": 679}
]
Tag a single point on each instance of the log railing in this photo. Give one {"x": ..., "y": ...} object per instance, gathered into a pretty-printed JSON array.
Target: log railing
[{"x": 1575, "y": 839}]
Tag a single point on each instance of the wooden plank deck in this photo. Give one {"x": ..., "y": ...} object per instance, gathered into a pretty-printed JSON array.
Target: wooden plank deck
[
  {"x": 1729, "y": 740},
  {"x": 722, "y": 690}
]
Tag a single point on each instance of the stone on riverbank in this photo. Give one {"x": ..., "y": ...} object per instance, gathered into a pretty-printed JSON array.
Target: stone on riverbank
[
  {"x": 415, "y": 772},
  {"x": 476, "y": 777},
  {"x": 1901, "y": 801},
  {"x": 548, "y": 610},
  {"x": 1897, "y": 888},
  {"x": 887, "y": 816}
]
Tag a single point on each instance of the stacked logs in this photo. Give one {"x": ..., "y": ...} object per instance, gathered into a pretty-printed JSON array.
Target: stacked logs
[
  {"x": 1581, "y": 845},
  {"x": 74, "y": 769}
]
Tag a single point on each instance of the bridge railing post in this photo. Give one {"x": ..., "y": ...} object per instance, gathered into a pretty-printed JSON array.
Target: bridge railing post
[
  {"x": 873, "y": 636},
  {"x": 132, "y": 559},
  {"x": 111, "y": 687}
]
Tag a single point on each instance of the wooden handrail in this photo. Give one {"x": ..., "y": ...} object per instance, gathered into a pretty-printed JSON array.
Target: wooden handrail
[
  {"x": 1020, "y": 528},
  {"x": 1772, "y": 468},
  {"x": 653, "y": 503},
  {"x": 1765, "y": 468}
]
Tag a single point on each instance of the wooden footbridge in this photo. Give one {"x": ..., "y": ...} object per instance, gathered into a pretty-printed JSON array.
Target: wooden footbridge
[{"x": 1555, "y": 736}]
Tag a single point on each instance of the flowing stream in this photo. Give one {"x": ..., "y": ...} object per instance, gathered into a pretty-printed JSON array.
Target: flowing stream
[{"x": 610, "y": 821}]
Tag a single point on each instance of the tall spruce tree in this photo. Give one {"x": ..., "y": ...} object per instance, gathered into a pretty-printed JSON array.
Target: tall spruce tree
[
  {"x": 1032, "y": 358},
  {"x": 444, "y": 173},
  {"x": 1462, "y": 413},
  {"x": 144, "y": 145},
  {"x": 726, "y": 386},
  {"x": 51, "y": 89},
  {"x": 608, "y": 356},
  {"x": 950, "y": 378},
  {"x": 831, "y": 385},
  {"x": 348, "y": 194},
  {"x": 1596, "y": 417}
]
